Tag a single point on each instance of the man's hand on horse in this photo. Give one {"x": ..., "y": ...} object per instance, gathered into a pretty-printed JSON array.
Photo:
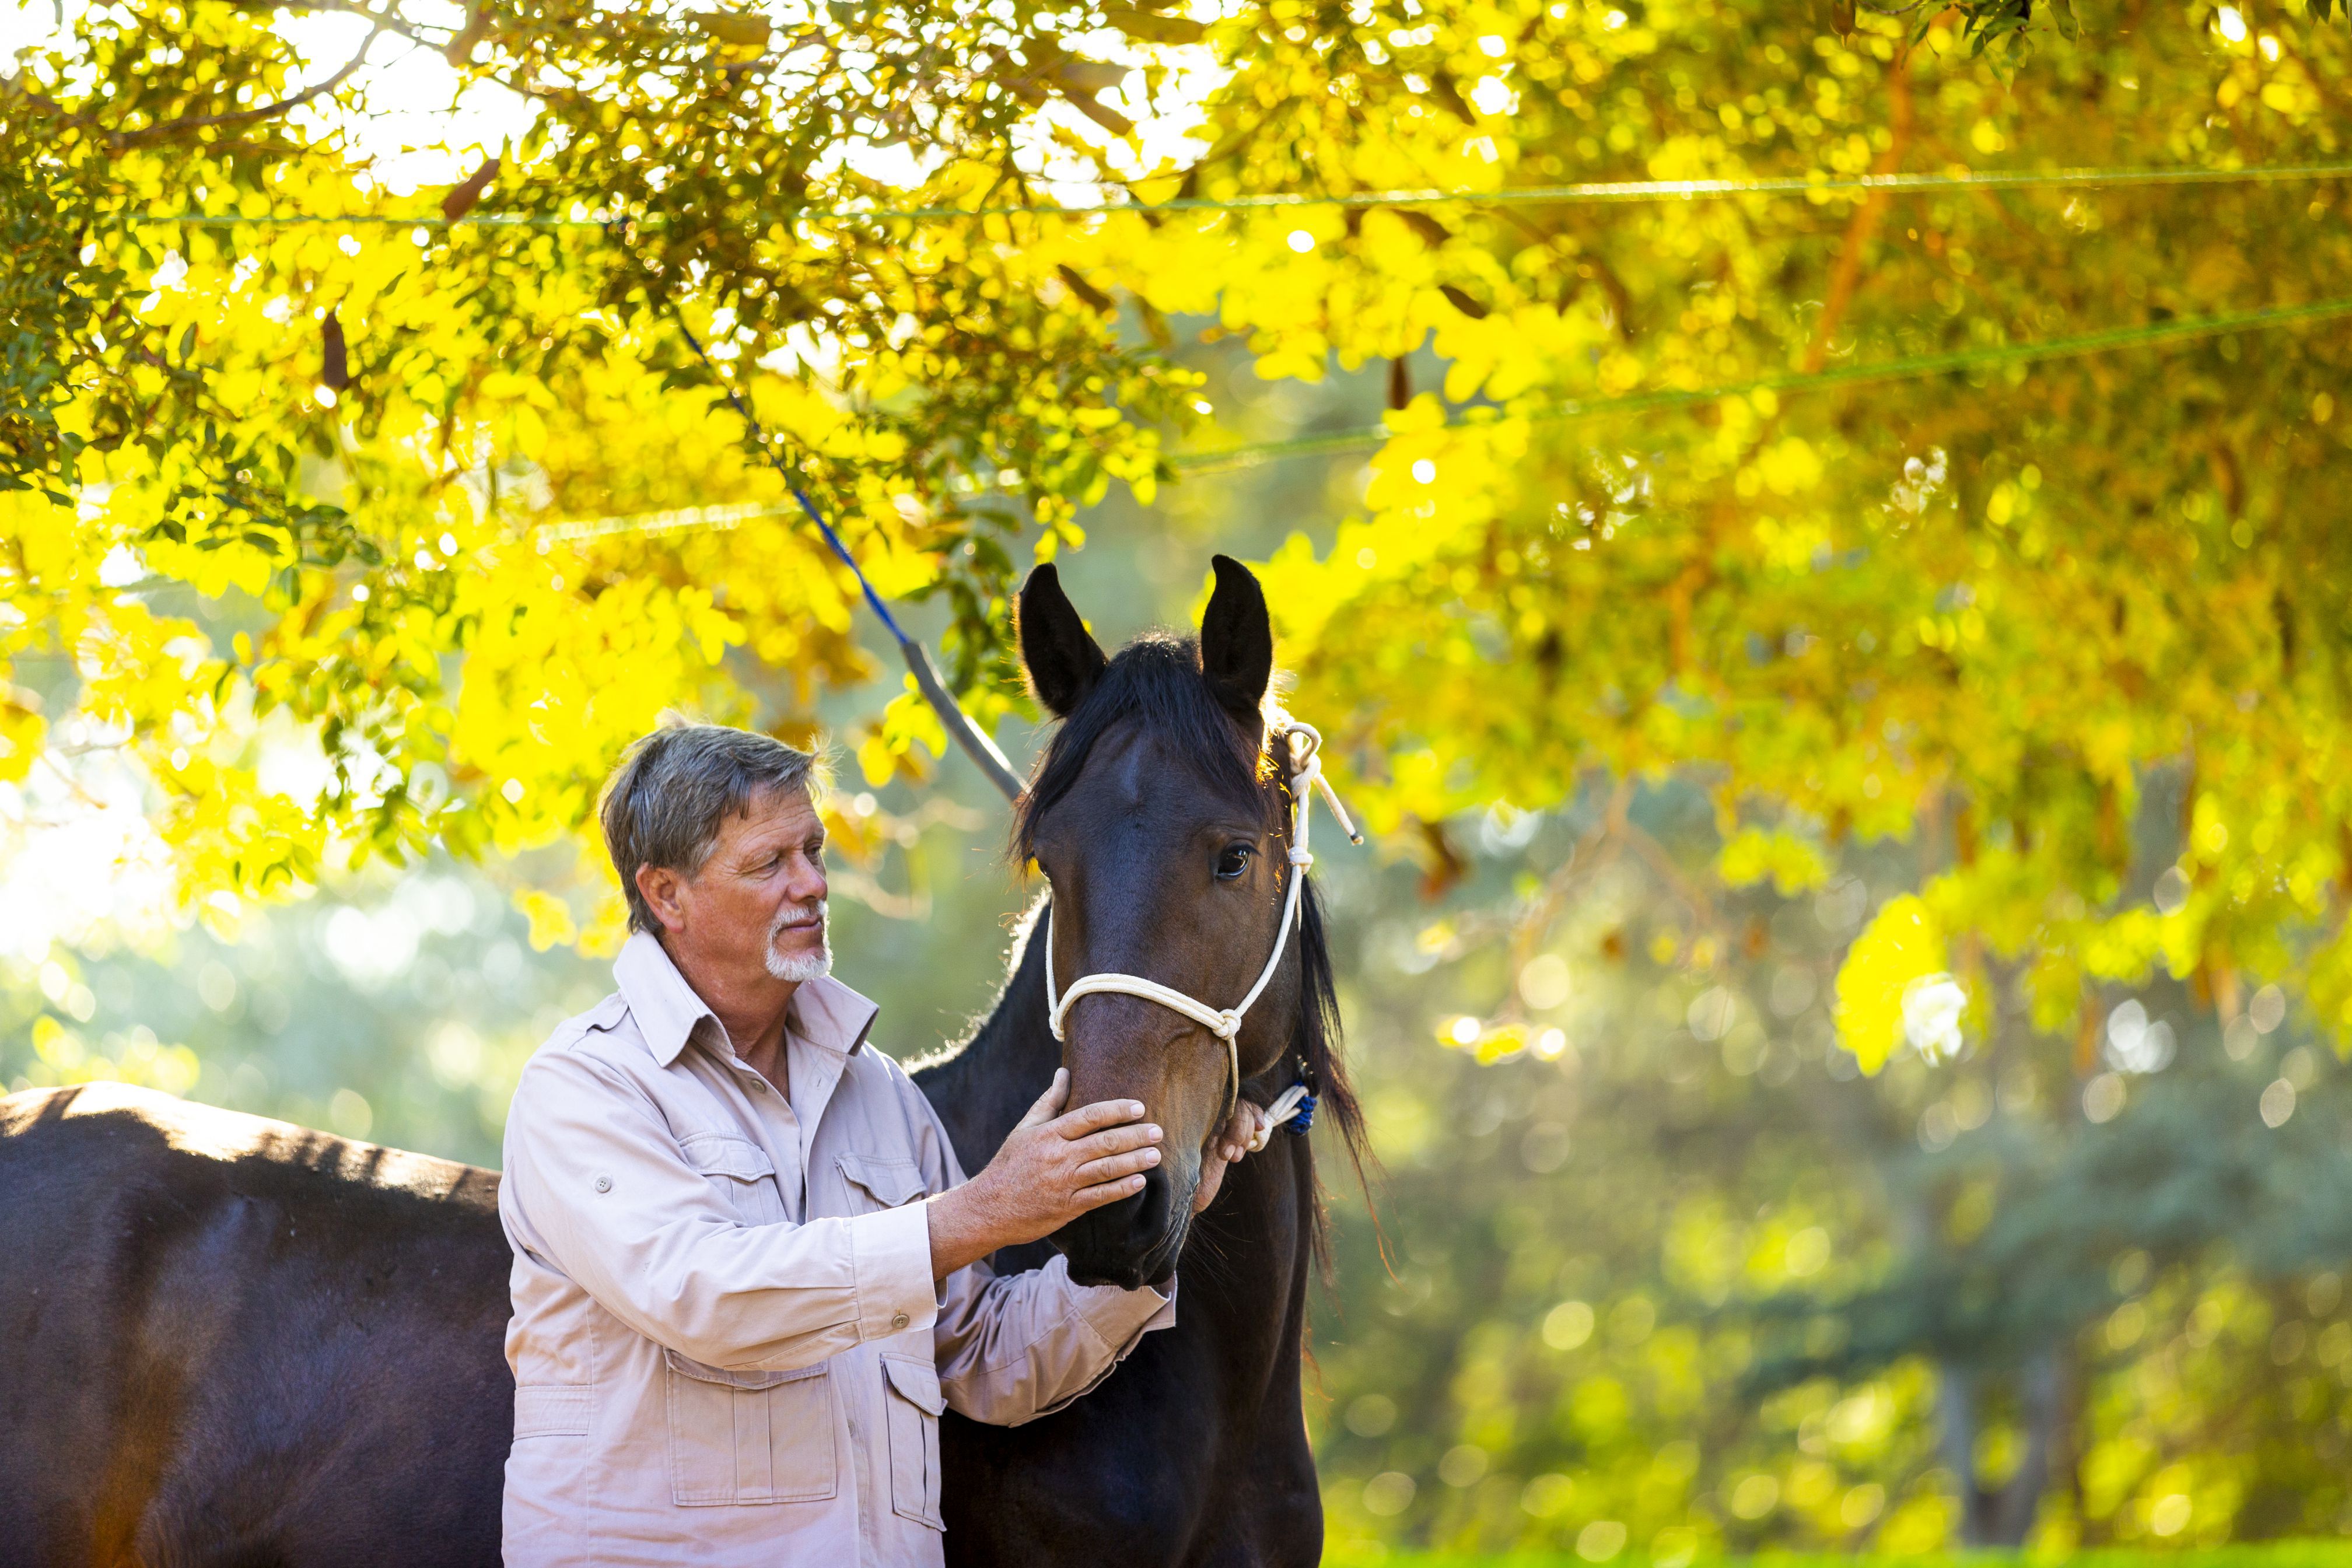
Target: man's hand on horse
[
  {"x": 1244, "y": 1131},
  {"x": 1053, "y": 1167}
]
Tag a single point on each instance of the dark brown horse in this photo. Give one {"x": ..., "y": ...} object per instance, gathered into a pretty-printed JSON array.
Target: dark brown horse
[
  {"x": 227, "y": 1343},
  {"x": 1157, "y": 818}
]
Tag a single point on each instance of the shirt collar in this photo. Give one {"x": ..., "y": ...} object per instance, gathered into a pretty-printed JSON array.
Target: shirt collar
[{"x": 824, "y": 1012}]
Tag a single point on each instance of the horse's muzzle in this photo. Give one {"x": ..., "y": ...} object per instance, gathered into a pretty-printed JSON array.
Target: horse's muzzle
[{"x": 1128, "y": 1243}]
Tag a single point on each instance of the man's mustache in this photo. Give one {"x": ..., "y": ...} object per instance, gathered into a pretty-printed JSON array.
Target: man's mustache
[{"x": 811, "y": 913}]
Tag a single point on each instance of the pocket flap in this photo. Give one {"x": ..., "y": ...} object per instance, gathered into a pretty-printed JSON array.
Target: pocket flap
[
  {"x": 916, "y": 1382},
  {"x": 716, "y": 1154},
  {"x": 755, "y": 1377},
  {"x": 553, "y": 1409},
  {"x": 889, "y": 1182}
]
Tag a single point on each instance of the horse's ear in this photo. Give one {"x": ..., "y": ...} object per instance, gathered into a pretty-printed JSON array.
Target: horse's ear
[
  {"x": 1063, "y": 661},
  {"x": 1237, "y": 640}
]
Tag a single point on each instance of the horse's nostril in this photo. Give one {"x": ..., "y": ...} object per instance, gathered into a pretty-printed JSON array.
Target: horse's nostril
[
  {"x": 1148, "y": 1210},
  {"x": 1113, "y": 1244}
]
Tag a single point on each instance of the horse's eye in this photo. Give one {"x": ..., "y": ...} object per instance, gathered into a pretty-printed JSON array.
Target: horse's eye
[{"x": 1233, "y": 862}]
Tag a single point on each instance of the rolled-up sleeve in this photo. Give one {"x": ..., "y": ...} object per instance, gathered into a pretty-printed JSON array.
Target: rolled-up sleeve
[
  {"x": 606, "y": 1192},
  {"x": 1012, "y": 1347}
]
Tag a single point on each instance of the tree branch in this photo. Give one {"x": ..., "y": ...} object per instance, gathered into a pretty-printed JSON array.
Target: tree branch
[
  {"x": 1847, "y": 278},
  {"x": 169, "y": 129}
]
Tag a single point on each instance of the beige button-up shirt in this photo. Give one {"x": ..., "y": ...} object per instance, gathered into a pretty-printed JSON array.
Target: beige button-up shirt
[{"x": 727, "y": 1345}]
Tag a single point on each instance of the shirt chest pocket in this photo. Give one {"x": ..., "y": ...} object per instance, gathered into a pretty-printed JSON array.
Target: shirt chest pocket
[
  {"x": 741, "y": 1173},
  {"x": 877, "y": 1183},
  {"x": 749, "y": 1437}
]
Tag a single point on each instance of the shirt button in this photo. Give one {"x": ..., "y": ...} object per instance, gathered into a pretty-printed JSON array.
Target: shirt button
[
  {"x": 604, "y": 1184},
  {"x": 898, "y": 1319}
]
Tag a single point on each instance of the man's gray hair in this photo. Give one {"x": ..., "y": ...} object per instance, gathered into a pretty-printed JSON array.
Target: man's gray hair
[{"x": 674, "y": 791}]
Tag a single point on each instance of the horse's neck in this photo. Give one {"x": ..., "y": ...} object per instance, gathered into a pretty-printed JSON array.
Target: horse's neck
[{"x": 984, "y": 1087}]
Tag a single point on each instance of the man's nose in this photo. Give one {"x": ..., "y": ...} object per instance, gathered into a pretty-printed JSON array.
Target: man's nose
[{"x": 808, "y": 883}]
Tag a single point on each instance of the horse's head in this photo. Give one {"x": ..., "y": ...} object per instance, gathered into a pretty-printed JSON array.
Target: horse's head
[{"x": 1157, "y": 816}]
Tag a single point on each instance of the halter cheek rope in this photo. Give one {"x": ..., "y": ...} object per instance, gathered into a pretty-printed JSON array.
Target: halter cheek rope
[{"x": 1296, "y": 1105}]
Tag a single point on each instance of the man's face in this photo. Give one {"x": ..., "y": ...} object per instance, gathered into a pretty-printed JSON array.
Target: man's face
[{"x": 758, "y": 903}]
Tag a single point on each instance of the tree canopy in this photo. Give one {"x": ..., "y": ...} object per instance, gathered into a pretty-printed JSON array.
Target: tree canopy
[{"x": 456, "y": 502}]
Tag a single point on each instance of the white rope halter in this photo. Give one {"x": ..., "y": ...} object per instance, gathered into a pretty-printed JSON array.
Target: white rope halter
[{"x": 1225, "y": 1023}]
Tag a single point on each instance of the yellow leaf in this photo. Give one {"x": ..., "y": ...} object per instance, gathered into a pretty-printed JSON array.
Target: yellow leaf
[
  {"x": 1901, "y": 946},
  {"x": 551, "y": 919},
  {"x": 1753, "y": 854}
]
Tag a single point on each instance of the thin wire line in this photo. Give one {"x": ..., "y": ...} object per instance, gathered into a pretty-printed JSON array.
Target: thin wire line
[
  {"x": 1588, "y": 192},
  {"x": 1911, "y": 368},
  {"x": 650, "y": 524}
]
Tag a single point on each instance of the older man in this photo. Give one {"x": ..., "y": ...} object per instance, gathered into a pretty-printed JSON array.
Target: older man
[{"x": 748, "y": 1271}]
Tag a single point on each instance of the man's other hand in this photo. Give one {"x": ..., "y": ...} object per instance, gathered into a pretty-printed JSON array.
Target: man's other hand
[
  {"x": 1245, "y": 1131},
  {"x": 1053, "y": 1167}
]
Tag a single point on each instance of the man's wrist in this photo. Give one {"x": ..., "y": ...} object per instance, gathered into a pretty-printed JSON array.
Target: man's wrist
[{"x": 960, "y": 1229}]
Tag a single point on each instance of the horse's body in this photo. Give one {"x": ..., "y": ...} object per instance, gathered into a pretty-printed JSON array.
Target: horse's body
[{"x": 227, "y": 1342}]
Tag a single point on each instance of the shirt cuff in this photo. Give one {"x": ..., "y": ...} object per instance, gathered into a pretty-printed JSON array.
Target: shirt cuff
[
  {"x": 1119, "y": 1317},
  {"x": 892, "y": 1261}
]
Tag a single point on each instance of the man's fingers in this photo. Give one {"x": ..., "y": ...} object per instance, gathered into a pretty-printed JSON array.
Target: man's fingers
[
  {"x": 1115, "y": 1165},
  {"x": 1108, "y": 1193},
  {"x": 1212, "y": 1177},
  {"x": 1116, "y": 1140},
  {"x": 1093, "y": 1118},
  {"x": 1050, "y": 1102}
]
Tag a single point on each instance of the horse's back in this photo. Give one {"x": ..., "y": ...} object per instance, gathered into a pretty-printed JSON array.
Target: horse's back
[{"x": 230, "y": 1341}]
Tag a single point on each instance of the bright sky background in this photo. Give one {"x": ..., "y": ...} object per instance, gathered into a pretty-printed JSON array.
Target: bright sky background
[{"x": 425, "y": 127}]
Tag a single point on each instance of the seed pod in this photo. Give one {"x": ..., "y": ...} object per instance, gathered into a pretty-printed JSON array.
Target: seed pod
[
  {"x": 1462, "y": 302},
  {"x": 334, "y": 369},
  {"x": 741, "y": 31},
  {"x": 461, "y": 199}
]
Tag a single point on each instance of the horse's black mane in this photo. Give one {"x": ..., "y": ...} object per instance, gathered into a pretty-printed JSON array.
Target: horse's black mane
[{"x": 1157, "y": 681}]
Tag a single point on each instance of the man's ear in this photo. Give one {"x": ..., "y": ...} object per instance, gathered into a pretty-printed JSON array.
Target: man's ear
[
  {"x": 1063, "y": 662},
  {"x": 1237, "y": 640},
  {"x": 660, "y": 887}
]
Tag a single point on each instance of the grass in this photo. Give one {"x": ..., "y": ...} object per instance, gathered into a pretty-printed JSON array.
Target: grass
[{"x": 2326, "y": 1552}]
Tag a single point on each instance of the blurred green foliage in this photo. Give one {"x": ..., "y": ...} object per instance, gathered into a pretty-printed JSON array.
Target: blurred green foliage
[{"x": 1695, "y": 1286}]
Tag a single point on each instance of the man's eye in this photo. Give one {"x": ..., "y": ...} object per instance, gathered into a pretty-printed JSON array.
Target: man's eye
[{"x": 1233, "y": 862}]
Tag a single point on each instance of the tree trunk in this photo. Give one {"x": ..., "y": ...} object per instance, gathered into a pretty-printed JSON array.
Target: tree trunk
[
  {"x": 1956, "y": 1439},
  {"x": 2041, "y": 1391},
  {"x": 2001, "y": 1518}
]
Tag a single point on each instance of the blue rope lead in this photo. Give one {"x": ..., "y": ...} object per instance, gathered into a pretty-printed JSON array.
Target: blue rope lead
[
  {"x": 1305, "y": 1119},
  {"x": 952, "y": 717}
]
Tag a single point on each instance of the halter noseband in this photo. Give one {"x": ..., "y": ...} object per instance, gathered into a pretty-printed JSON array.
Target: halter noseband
[{"x": 1225, "y": 1023}]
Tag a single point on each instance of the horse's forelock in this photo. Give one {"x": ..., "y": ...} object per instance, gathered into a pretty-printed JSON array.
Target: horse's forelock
[{"x": 1155, "y": 680}]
